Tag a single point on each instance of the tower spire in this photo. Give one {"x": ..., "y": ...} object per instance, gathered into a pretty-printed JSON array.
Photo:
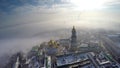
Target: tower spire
[
  {"x": 74, "y": 27},
  {"x": 73, "y": 37}
]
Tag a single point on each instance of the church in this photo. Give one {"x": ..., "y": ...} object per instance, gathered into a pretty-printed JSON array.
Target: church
[{"x": 71, "y": 43}]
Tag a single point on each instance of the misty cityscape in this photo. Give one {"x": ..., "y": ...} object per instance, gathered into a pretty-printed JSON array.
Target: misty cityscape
[{"x": 59, "y": 34}]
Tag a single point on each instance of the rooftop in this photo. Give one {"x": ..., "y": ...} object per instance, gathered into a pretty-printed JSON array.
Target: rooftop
[{"x": 71, "y": 58}]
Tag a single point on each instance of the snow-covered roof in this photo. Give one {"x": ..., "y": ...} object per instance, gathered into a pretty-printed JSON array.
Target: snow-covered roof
[
  {"x": 84, "y": 45},
  {"x": 71, "y": 58}
]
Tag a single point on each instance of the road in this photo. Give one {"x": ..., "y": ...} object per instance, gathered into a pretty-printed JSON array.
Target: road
[{"x": 111, "y": 47}]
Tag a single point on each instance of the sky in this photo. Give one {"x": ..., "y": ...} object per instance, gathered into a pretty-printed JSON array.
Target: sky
[{"x": 25, "y": 23}]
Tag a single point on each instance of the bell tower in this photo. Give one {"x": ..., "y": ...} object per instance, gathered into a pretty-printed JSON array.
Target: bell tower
[{"x": 73, "y": 38}]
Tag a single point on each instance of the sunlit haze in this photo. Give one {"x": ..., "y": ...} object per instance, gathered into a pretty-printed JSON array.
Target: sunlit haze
[{"x": 89, "y": 4}]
